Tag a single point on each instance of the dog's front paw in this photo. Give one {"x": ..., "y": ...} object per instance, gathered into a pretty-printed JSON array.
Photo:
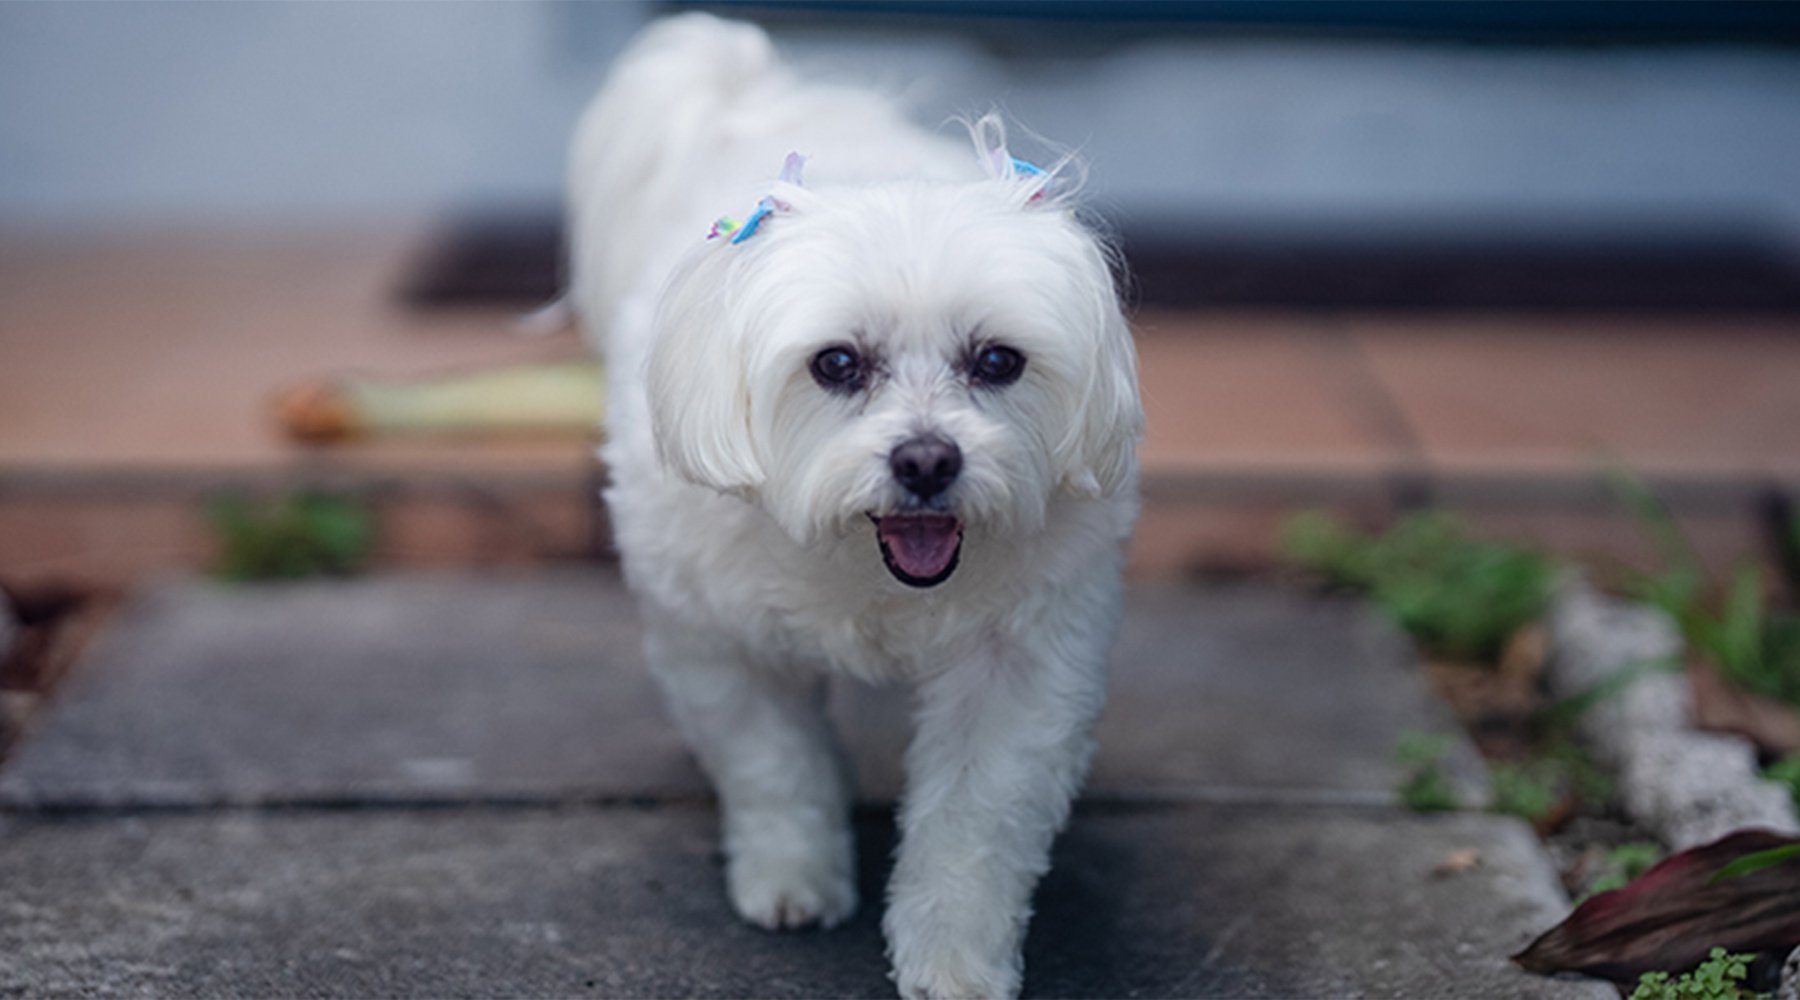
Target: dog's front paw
[
  {"x": 788, "y": 891},
  {"x": 951, "y": 958},
  {"x": 956, "y": 974}
]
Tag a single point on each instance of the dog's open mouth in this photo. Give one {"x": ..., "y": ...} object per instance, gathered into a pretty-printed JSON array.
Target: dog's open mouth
[{"x": 919, "y": 549}]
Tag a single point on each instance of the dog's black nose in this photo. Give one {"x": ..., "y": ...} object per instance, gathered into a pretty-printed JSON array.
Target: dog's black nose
[{"x": 926, "y": 465}]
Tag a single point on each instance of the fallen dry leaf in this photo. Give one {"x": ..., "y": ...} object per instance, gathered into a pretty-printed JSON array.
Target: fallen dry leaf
[
  {"x": 1458, "y": 861},
  {"x": 1670, "y": 917},
  {"x": 1505, "y": 690},
  {"x": 1722, "y": 706}
]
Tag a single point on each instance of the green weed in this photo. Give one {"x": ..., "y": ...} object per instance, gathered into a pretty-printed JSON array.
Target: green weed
[
  {"x": 1558, "y": 772},
  {"x": 298, "y": 535},
  {"x": 1786, "y": 771},
  {"x": 1720, "y": 977},
  {"x": 1786, "y": 854},
  {"x": 1752, "y": 645},
  {"x": 1624, "y": 863},
  {"x": 1531, "y": 789},
  {"x": 1527, "y": 789},
  {"x": 1424, "y": 786},
  {"x": 1460, "y": 597}
]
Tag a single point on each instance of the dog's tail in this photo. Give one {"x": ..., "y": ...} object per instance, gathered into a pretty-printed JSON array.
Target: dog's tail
[{"x": 667, "y": 101}]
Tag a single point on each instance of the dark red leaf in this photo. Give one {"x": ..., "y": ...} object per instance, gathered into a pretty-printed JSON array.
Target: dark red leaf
[{"x": 1671, "y": 916}]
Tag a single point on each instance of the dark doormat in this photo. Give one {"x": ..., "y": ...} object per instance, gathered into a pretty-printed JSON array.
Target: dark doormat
[
  {"x": 1644, "y": 272},
  {"x": 516, "y": 259},
  {"x": 512, "y": 259}
]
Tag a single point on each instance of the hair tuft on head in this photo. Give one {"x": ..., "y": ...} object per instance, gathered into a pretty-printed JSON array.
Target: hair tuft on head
[{"x": 1056, "y": 183}]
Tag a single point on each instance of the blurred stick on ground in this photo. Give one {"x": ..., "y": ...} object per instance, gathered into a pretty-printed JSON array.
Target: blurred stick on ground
[{"x": 561, "y": 396}]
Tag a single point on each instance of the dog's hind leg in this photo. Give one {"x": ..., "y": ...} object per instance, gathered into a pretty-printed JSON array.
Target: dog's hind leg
[{"x": 782, "y": 782}]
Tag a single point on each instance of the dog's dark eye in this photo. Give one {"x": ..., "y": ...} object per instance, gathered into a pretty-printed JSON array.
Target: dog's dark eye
[
  {"x": 997, "y": 365},
  {"x": 838, "y": 369}
]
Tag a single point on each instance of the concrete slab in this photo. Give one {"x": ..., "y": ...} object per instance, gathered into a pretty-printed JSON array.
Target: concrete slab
[
  {"x": 1184, "y": 901},
  {"x": 1250, "y": 693},
  {"x": 531, "y": 688},
  {"x": 415, "y": 688}
]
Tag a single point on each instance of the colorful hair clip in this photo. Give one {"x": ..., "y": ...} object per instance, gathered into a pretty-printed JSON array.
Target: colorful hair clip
[
  {"x": 725, "y": 225},
  {"x": 764, "y": 209},
  {"x": 791, "y": 169}
]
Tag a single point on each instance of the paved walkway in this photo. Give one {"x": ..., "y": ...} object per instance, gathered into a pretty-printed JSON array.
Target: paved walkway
[{"x": 428, "y": 786}]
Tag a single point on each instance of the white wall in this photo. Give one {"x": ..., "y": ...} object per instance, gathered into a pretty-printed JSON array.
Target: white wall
[
  {"x": 306, "y": 110},
  {"x": 289, "y": 109}
]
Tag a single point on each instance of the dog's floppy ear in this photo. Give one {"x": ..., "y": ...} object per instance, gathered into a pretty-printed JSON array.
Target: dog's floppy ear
[
  {"x": 698, "y": 374},
  {"x": 1098, "y": 455},
  {"x": 698, "y": 384}
]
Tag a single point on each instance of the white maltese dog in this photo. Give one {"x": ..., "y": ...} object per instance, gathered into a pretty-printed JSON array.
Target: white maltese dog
[{"x": 884, "y": 424}]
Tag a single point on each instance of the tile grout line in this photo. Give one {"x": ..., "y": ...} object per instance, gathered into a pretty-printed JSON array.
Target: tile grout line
[
  {"x": 1409, "y": 482},
  {"x": 1139, "y": 800}
]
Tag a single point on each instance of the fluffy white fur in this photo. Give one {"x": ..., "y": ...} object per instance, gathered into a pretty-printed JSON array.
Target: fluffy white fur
[{"x": 743, "y": 491}]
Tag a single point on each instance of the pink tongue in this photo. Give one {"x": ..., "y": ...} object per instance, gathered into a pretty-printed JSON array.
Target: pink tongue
[{"x": 920, "y": 544}]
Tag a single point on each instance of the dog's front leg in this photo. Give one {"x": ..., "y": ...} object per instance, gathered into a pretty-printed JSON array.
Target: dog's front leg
[
  {"x": 1001, "y": 747},
  {"x": 783, "y": 785}
]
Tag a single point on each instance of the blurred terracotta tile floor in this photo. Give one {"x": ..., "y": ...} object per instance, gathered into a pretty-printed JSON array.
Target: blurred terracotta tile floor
[
  {"x": 1695, "y": 396},
  {"x": 136, "y": 379},
  {"x": 161, "y": 354},
  {"x": 136, "y": 374}
]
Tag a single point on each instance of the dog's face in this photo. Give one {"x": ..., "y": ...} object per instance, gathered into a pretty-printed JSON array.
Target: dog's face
[{"x": 928, "y": 359}]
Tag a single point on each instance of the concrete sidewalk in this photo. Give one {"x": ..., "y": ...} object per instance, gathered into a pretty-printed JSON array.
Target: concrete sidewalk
[{"x": 427, "y": 786}]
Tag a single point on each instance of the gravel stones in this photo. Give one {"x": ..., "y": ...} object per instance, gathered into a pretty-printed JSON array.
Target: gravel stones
[{"x": 1687, "y": 786}]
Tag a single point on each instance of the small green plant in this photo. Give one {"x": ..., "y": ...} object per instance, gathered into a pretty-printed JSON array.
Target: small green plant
[
  {"x": 1624, "y": 863},
  {"x": 1527, "y": 789},
  {"x": 1424, "y": 787},
  {"x": 1531, "y": 788},
  {"x": 1460, "y": 597},
  {"x": 297, "y": 535},
  {"x": 1587, "y": 777},
  {"x": 1752, "y": 645},
  {"x": 1559, "y": 772},
  {"x": 1720, "y": 977},
  {"x": 1560, "y": 715},
  {"x": 1786, "y": 771},
  {"x": 1787, "y": 854}
]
